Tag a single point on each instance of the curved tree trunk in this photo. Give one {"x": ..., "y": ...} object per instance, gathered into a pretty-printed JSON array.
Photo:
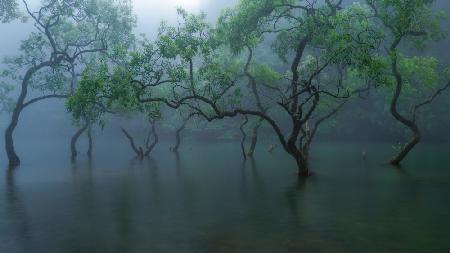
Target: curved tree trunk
[
  {"x": 410, "y": 124},
  {"x": 74, "y": 140},
  {"x": 177, "y": 140},
  {"x": 139, "y": 152},
  {"x": 178, "y": 136},
  {"x": 259, "y": 104},
  {"x": 398, "y": 158},
  {"x": 244, "y": 137},
  {"x": 13, "y": 158},
  {"x": 255, "y": 132},
  {"x": 151, "y": 146}
]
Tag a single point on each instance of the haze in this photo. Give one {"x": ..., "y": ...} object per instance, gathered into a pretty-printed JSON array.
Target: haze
[{"x": 225, "y": 126}]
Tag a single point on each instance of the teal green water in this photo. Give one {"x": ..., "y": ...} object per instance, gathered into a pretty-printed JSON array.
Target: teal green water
[{"x": 208, "y": 200}]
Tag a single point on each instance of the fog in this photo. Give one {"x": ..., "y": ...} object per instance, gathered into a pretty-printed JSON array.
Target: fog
[
  {"x": 276, "y": 128},
  {"x": 50, "y": 119}
]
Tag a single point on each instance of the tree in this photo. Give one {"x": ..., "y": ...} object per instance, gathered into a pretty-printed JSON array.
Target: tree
[
  {"x": 86, "y": 106},
  {"x": 142, "y": 152},
  {"x": 184, "y": 122},
  {"x": 412, "y": 77},
  {"x": 66, "y": 31},
  {"x": 319, "y": 43},
  {"x": 244, "y": 137},
  {"x": 103, "y": 90}
]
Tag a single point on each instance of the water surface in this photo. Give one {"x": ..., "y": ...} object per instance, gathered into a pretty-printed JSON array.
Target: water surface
[{"x": 208, "y": 200}]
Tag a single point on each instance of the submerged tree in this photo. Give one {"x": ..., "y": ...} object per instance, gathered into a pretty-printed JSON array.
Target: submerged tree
[
  {"x": 244, "y": 137},
  {"x": 323, "y": 41},
  {"x": 289, "y": 64},
  {"x": 66, "y": 31},
  {"x": 145, "y": 151},
  {"x": 413, "y": 77},
  {"x": 86, "y": 106},
  {"x": 104, "y": 90},
  {"x": 178, "y": 132}
]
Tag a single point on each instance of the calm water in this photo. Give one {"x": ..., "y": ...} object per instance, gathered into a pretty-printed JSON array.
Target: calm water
[{"x": 207, "y": 200}]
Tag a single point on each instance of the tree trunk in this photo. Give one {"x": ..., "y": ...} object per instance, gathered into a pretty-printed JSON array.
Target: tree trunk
[
  {"x": 141, "y": 153},
  {"x": 244, "y": 137},
  {"x": 74, "y": 140},
  {"x": 397, "y": 159},
  {"x": 136, "y": 150},
  {"x": 410, "y": 123},
  {"x": 301, "y": 156},
  {"x": 254, "y": 138},
  {"x": 178, "y": 136},
  {"x": 302, "y": 160},
  {"x": 151, "y": 146},
  {"x": 89, "y": 134},
  {"x": 13, "y": 158}
]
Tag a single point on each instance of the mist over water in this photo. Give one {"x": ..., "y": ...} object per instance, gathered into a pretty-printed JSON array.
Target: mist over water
[{"x": 207, "y": 197}]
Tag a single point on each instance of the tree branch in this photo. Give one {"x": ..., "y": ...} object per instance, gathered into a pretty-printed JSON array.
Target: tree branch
[{"x": 34, "y": 100}]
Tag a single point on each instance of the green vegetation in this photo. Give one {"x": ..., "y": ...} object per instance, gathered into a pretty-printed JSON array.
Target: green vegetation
[
  {"x": 287, "y": 65},
  {"x": 66, "y": 32}
]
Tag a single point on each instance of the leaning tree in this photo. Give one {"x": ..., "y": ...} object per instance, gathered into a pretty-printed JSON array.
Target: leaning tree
[
  {"x": 415, "y": 80},
  {"x": 65, "y": 32}
]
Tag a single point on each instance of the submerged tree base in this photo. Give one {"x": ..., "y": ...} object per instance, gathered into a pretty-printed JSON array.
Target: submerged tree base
[
  {"x": 306, "y": 174},
  {"x": 394, "y": 163},
  {"x": 14, "y": 163},
  {"x": 14, "y": 160}
]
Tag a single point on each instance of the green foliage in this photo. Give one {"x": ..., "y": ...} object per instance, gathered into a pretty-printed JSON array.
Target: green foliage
[
  {"x": 206, "y": 67},
  {"x": 421, "y": 70},
  {"x": 345, "y": 37},
  {"x": 243, "y": 25},
  {"x": 422, "y": 77},
  {"x": 74, "y": 29},
  {"x": 88, "y": 99},
  {"x": 414, "y": 19},
  {"x": 266, "y": 76},
  {"x": 186, "y": 41},
  {"x": 410, "y": 22},
  {"x": 105, "y": 88}
]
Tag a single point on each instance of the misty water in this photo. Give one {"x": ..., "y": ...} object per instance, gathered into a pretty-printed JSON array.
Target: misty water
[
  {"x": 208, "y": 200},
  {"x": 355, "y": 79}
]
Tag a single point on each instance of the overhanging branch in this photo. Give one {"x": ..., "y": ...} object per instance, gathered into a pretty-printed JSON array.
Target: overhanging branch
[{"x": 35, "y": 100}]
